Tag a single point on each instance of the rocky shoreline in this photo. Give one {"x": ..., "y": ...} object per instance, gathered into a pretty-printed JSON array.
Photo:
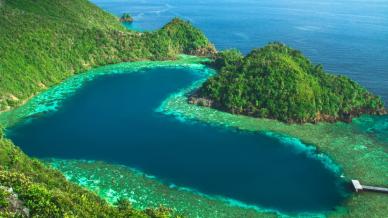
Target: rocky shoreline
[
  {"x": 194, "y": 98},
  {"x": 278, "y": 82}
]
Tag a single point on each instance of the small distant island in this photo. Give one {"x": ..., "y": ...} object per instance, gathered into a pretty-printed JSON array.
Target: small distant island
[
  {"x": 126, "y": 18},
  {"x": 278, "y": 82}
]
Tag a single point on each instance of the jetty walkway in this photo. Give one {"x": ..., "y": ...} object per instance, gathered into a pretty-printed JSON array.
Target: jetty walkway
[{"x": 358, "y": 187}]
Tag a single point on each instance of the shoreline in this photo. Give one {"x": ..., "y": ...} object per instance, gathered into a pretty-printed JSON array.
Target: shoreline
[
  {"x": 48, "y": 99},
  {"x": 183, "y": 200},
  {"x": 181, "y": 58},
  {"x": 336, "y": 140},
  {"x": 177, "y": 105},
  {"x": 323, "y": 118}
]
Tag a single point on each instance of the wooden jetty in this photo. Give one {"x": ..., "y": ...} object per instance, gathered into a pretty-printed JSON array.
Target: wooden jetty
[{"x": 358, "y": 187}]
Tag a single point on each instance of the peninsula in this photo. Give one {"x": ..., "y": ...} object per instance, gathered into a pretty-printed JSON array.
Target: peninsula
[{"x": 278, "y": 82}]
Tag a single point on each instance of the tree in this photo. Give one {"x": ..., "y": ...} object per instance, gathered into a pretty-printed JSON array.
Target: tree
[{"x": 278, "y": 82}]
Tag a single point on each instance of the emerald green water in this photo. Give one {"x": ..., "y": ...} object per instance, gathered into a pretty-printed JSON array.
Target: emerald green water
[{"x": 122, "y": 114}]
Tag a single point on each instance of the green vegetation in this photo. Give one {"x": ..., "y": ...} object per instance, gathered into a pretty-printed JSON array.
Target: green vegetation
[
  {"x": 47, "y": 193},
  {"x": 126, "y": 18},
  {"x": 44, "y": 42},
  {"x": 278, "y": 82},
  {"x": 358, "y": 149},
  {"x": 3, "y": 198},
  {"x": 146, "y": 192}
]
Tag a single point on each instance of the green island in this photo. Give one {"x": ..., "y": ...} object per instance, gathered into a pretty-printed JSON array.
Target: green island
[
  {"x": 278, "y": 82},
  {"x": 126, "y": 18},
  {"x": 45, "y": 43}
]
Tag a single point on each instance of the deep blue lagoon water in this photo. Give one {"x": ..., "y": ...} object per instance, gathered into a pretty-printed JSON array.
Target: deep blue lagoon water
[
  {"x": 113, "y": 119},
  {"x": 348, "y": 37}
]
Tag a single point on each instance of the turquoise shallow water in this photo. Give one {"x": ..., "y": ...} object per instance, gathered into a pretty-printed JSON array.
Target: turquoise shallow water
[
  {"x": 348, "y": 37},
  {"x": 114, "y": 118}
]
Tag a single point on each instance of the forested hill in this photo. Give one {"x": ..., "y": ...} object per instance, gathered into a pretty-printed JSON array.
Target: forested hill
[
  {"x": 278, "y": 82},
  {"x": 43, "y": 42}
]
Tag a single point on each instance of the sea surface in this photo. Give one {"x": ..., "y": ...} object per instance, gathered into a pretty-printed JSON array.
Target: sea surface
[
  {"x": 348, "y": 37},
  {"x": 114, "y": 118}
]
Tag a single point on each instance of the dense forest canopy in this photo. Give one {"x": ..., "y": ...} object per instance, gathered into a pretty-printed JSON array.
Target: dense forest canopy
[{"x": 280, "y": 83}]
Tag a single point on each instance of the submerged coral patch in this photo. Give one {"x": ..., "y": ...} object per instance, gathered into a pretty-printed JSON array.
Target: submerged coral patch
[
  {"x": 113, "y": 182},
  {"x": 364, "y": 140}
]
